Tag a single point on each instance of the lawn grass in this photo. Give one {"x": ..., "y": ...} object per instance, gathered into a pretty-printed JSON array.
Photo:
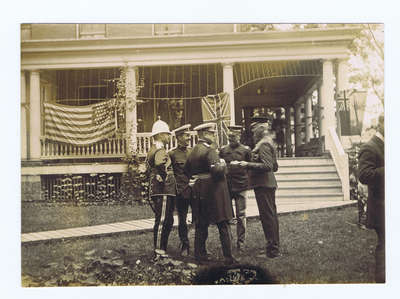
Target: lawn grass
[
  {"x": 318, "y": 247},
  {"x": 51, "y": 216}
]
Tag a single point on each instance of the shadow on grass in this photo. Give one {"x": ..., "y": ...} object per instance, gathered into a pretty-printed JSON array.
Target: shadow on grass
[{"x": 233, "y": 274}]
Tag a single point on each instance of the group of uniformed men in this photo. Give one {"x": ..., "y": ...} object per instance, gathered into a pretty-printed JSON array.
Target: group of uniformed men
[{"x": 207, "y": 179}]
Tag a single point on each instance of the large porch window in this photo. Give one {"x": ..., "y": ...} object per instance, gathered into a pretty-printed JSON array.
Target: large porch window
[
  {"x": 174, "y": 93},
  {"x": 85, "y": 87}
]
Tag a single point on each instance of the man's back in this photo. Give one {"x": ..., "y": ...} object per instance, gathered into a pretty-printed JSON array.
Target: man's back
[{"x": 372, "y": 173}]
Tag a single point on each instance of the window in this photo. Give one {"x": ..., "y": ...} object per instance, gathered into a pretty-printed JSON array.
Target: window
[
  {"x": 254, "y": 27},
  {"x": 92, "y": 30},
  {"x": 168, "y": 29}
]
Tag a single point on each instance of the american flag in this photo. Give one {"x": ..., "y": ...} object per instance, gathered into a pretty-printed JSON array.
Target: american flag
[
  {"x": 216, "y": 109},
  {"x": 79, "y": 125}
]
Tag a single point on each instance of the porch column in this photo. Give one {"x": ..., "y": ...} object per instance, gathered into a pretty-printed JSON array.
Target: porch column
[
  {"x": 131, "y": 109},
  {"x": 24, "y": 132},
  {"x": 288, "y": 131},
  {"x": 319, "y": 110},
  {"x": 308, "y": 118},
  {"x": 229, "y": 88},
  {"x": 297, "y": 126},
  {"x": 342, "y": 79},
  {"x": 327, "y": 111},
  {"x": 341, "y": 87},
  {"x": 34, "y": 116}
]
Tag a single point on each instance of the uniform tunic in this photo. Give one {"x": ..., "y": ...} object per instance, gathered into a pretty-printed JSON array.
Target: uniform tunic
[
  {"x": 160, "y": 164},
  {"x": 263, "y": 165},
  {"x": 213, "y": 199},
  {"x": 178, "y": 159},
  {"x": 237, "y": 176}
]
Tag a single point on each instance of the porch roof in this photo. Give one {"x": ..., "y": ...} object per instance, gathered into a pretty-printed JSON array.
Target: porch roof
[{"x": 308, "y": 44}]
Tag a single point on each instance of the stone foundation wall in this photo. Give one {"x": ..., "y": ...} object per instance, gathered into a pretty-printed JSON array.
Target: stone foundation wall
[{"x": 30, "y": 188}]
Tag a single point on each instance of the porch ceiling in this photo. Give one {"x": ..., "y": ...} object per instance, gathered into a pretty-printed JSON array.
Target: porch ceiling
[
  {"x": 275, "y": 92},
  {"x": 274, "y": 84}
]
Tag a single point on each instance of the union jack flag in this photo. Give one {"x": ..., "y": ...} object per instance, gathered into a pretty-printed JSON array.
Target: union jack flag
[{"x": 216, "y": 109}]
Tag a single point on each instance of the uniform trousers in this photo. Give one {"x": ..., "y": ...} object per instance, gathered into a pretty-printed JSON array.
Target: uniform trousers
[
  {"x": 240, "y": 211},
  {"x": 201, "y": 236},
  {"x": 380, "y": 255},
  {"x": 265, "y": 198},
  {"x": 182, "y": 206},
  {"x": 168, "y": 221}
]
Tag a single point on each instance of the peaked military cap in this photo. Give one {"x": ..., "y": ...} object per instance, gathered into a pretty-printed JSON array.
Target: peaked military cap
[
  {"x": 205, "y": 127},
  {"x": 235, "y": 128},
  {"x": 181, "y": 130},
  {"x": 261, "y": 118}
]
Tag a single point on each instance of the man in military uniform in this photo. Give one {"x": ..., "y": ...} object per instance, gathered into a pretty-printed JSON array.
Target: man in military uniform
[
  {"x": 211, "y": 200},
  {"x": 261, "y": 168},
  {"x": 183, "y": 199},
  {"x": 238, "y": 181},
  {"x": 162, "y": 186}
]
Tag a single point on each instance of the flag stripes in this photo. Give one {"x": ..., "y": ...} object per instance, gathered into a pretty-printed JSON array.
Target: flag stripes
[{"x": 79, "y": 125}]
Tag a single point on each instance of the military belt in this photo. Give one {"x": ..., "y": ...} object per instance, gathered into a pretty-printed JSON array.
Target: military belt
[{"x": 202, "y": 176}]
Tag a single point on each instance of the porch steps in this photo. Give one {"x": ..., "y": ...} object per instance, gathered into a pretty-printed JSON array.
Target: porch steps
[{"x": 313, "y": 179}]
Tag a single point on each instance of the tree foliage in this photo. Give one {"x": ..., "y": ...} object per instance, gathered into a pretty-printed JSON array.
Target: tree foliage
[
  {"x": 367, "y": 60},
  {"x": 367, "y": 54}
]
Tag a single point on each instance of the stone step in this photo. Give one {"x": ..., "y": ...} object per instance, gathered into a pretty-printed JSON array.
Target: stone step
[
  {"x": 290, "y": 175},
  {"x": 304, "y": 161},
  {"x": 317, "y": 182},
  {"x": 306, "y": 168},
  {"x": 298, "y": 197},
  {"x": 315, "y": 198},
  {"x": 308, "y": 190}
]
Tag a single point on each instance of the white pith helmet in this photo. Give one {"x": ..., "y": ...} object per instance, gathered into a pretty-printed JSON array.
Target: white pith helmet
[{"x": 160, "y": 127}]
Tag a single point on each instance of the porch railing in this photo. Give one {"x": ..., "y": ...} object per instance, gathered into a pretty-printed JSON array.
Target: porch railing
[{"x": 111, "y": 148}]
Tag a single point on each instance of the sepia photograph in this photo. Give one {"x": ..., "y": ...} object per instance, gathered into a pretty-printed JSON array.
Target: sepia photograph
[{"x": 159, "y": 154}]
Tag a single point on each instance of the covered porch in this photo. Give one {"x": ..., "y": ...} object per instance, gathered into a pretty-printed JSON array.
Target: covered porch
[{"x": 299, "y": 94}]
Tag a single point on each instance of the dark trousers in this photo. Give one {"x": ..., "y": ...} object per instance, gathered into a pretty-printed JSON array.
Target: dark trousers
[
  {"x": 167, "y": 222},
  {"x": 182, "y": 206},
  {"x": 265, "y": 198},
  {"x": 240, "y": 211},
  {"x": 380, "y": 256},
  {"x": 201, "y": 236}
]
